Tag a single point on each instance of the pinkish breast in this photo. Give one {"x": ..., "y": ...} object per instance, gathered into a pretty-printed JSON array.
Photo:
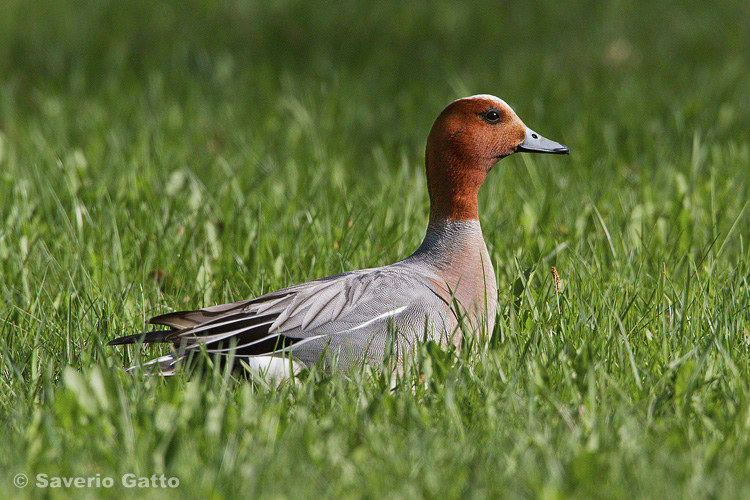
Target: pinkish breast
[{"x": 456, "y": 252}]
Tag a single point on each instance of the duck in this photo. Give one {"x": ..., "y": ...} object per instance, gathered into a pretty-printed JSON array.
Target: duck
[{"x": 445, "y": 292}]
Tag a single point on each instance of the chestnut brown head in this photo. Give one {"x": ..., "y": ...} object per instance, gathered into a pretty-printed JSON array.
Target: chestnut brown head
[{"x": 467, "y": 139}]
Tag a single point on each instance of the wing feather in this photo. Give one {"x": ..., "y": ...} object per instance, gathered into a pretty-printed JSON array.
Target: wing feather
[{"x": 342, "y": 309}]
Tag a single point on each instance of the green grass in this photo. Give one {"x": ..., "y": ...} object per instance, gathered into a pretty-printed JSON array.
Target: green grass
[{"x": 233, "y": 149}]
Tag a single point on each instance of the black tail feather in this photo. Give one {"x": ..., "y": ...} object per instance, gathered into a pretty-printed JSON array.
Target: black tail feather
[{"x": 156, "y": 337}]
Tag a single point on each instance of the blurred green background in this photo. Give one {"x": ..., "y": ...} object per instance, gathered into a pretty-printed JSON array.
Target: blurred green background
[
  {"x": 618, "y": 71},
  {"x": 165, "y": 154}
]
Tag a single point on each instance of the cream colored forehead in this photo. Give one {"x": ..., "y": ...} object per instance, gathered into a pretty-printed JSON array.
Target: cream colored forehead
[{"x": 486, "y": 97}]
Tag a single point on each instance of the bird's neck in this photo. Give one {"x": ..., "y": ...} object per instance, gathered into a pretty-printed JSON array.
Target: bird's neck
[
  {"x": 449, "y": 240},
  {"x": 453, "y": 182}
]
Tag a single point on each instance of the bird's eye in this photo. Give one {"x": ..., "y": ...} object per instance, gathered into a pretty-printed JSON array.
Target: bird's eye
[{"x": 491, "y": 116}]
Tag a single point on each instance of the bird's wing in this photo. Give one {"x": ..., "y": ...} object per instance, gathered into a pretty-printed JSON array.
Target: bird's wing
[{"x": 304, "y": 319}]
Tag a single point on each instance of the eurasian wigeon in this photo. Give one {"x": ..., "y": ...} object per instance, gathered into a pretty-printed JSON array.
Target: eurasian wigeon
[{"x": 443, "y": 291}]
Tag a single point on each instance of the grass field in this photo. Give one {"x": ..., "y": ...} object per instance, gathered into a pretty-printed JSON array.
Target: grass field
[{"x": 157, "y": 155}]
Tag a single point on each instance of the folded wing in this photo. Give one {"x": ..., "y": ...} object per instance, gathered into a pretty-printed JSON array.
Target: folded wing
[{"x": 345, "y": 316}]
